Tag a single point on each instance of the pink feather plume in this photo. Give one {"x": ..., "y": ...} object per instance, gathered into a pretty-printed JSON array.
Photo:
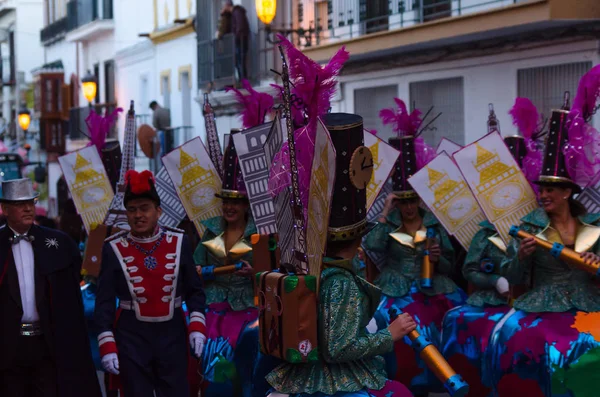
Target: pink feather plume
[
  {"x": 99, "y": 127},
  {"x": 582, "y": 151},
  {"x": 255, "y": 106},
  {"x": 528, "y": 120},
  {"x": 403, "y": 123}
]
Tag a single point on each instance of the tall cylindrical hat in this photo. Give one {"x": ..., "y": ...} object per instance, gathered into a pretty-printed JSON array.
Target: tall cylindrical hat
[
  {"x": 554, "y": 170},
  {"x": 406, "y": 166},
  {"x": 354, "y": 169},
  {"x": 233, "y": 180},
  {"x": 516, "y": 146},
  {"x": 140, "y": 185}
]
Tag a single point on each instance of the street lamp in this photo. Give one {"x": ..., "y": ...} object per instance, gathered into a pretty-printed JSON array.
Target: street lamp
[
  {"x": 24, "y": 119},
  {"x": 89, "y": 87},
  {"x": 266, "y": 10}
]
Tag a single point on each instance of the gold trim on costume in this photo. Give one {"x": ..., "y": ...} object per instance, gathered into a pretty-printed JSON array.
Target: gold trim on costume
[
  {"x": 408, "y": 240},
  {"x": 216, "y": 247},
  {"x": 346, "y": 232},
  {"x": 497, "y": 241},
  {"x": 555, "y": 179},
  {"x": 406, "y": 194},
  {"x": 231, "y": 194},
  {"x": 343, "y": 127}
]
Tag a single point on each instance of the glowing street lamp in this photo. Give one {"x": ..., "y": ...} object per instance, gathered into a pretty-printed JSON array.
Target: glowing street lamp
[
  {"x": 266, "y": 10},
  {"x": 24, "y": 118},
  {"x": 90, "y": 86}
]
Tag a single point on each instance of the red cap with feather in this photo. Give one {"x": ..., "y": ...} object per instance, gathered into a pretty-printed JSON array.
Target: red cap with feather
[{"x": 140, "y": 185}]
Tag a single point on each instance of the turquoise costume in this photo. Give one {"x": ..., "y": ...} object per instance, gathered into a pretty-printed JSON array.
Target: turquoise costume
[
  {"x": 550, "y": 344},
  {"x": 349, "y": 364},
  {"x": 231, "y": 319},
  {"x": 467, "y": 328},
  {"x": 400, "y": 283}
]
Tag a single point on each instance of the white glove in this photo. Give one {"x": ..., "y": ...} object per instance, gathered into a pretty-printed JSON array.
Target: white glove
[
  {"x": 502, "y": 286},
  {"x": 197, "y": 340},
  {"x": 110, "y": 362}
]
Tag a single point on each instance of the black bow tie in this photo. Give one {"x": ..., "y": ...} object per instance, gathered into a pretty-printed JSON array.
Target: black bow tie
[{"x": 16, "y": 238}]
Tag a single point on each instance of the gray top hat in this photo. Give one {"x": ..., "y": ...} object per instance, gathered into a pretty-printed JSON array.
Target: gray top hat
[{"x": 18, "y": 190}]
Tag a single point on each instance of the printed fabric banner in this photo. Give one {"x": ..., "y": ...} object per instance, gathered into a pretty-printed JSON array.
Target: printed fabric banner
[
  {"x": 249, "y": 145},
  {"x": 173, "y": 211},
  {"x": 497, "y": 182},
  {"x": 446, "y": 145},
  {"x": 319, "y": 202},
  {"x": 590, "y": 196},
  {"x": 89, "y": 185},
  {"x": 443, "y": 189},
  {"x": 195, "y": 180},
  {"x": 384, "y": 159}
]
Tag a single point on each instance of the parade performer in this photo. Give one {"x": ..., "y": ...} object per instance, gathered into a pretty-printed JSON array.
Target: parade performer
[
  {"x": 150, "y": 270},
  {"x": 227, "y": 363},
  {"x": 549, "y": 345},
  {"x": 44, "y": 346},
  {"x": 348, "y": 363},
  {"x": 466, "y": 329},
  {"x": 402, "y": 233}
]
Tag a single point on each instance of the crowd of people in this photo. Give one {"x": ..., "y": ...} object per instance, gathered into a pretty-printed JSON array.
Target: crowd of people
[{"x": 165, "y": 318}]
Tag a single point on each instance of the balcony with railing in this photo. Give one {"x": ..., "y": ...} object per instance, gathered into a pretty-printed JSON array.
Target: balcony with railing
[
  {"x": 414, "y": 25},
  {"x": 87, "y": 19},
  {"x": 54, "y": 31},
  {"x": 217, "y": 66}
]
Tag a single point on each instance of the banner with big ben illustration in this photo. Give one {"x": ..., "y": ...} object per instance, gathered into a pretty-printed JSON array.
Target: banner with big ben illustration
[
  {"x": 497, "y": 182},
  {"x": 443, "y": 189},
  {"x": 384, "y": 159},
  {"x": 89, "y": 185},
  {"x": 319, "y": 201},
  {"x": 446, "y": 145},
  {"x": 196, "y": 181}
]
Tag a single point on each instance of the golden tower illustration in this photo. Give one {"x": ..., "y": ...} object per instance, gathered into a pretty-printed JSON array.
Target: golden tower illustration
[
  {"x": 452, "y": 199},
  {"x": 89, "y": 187},
  {"x": 198, "y": 185},
  {"x": 372, "y": 186},
  {"x": 500, "y": 184}
]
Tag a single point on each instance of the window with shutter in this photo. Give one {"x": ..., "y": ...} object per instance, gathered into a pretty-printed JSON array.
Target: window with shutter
[
  {"x": 447, "y": 97},
  {"x": 369, "y": 101}
]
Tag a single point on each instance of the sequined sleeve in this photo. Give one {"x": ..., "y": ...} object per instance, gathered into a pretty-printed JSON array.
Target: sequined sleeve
[
  {"x": 472, "y": 266},
  {"x": 378, "y": 239},
  {"x": 342, "y": 332}
]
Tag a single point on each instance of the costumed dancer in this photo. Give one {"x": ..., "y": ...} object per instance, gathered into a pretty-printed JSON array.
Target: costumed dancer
[
  {"x": 403, "y": 231},
  {"x": 151, "y": 271},
  {"x": 227, "y": 363},
  {"x": 44, "y": 346},
  {"x": 349, "y": 364},
  {"x": 549, "y": 345},
  {"x": 467, "y": 329}
]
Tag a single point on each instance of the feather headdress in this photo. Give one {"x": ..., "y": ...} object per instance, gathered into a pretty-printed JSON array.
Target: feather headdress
[
  {"x": 408, "y": 124},
  {"x": 530, "y": 124},
  {"x": 99, "y": 127},
  {"x": 255, "y": 106},
  {"x": 582, "y": 152},
  {"x": 312, "y": 87}
]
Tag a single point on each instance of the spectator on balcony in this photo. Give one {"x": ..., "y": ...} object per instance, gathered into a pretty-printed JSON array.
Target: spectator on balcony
[
  {"x": 161, "y": 119},
  {"x": 225, "y": 20},
  {"x": 241, "y": 33}
]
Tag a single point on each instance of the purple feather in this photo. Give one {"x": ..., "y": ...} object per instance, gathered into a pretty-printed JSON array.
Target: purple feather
[
  {"x": 525, "y": 116},
  {"x": 99, "y": 127},
  {"x": 403, "y": 123},
  {"x": 255, "y": 105},
  {"x": 588, "y": 92}
]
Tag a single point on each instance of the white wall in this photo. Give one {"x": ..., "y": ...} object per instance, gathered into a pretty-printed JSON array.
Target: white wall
[
  {"x": 28, "y": 48},
  {"x": 490, "y": 79},
  {"x": 61, "y": 51},
  {"x": 131, "y": 18}
]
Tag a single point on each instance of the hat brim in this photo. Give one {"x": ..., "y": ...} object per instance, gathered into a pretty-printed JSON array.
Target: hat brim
[
  {"x": 559, "y": 182},
  {"x": 5, "y": 200},
  {"x": 406, "y": 194},
  {"x": 231, "y": 195}
]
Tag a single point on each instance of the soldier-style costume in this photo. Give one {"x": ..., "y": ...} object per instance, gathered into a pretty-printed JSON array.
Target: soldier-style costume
[
  {"x": 150, "y": 278},
  {"x": 44, "y": 346}
]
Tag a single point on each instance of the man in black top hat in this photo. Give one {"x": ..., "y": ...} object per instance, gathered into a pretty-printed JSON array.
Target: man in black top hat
[
  {"x": 44, "y": 346},
  {"x": 151, "y": 271}
]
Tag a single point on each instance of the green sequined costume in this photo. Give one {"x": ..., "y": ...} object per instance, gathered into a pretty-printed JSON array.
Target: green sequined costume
[{"x": 349, "y": 359}]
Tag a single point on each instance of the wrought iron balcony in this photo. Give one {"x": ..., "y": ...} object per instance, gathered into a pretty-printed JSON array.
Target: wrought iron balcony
[
  {"x": 88, "y": 18},
  {"x": 54, "y": 32}
]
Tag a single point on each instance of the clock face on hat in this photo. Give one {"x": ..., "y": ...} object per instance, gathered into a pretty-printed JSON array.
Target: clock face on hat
[{"x": 361, "y": 167}]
